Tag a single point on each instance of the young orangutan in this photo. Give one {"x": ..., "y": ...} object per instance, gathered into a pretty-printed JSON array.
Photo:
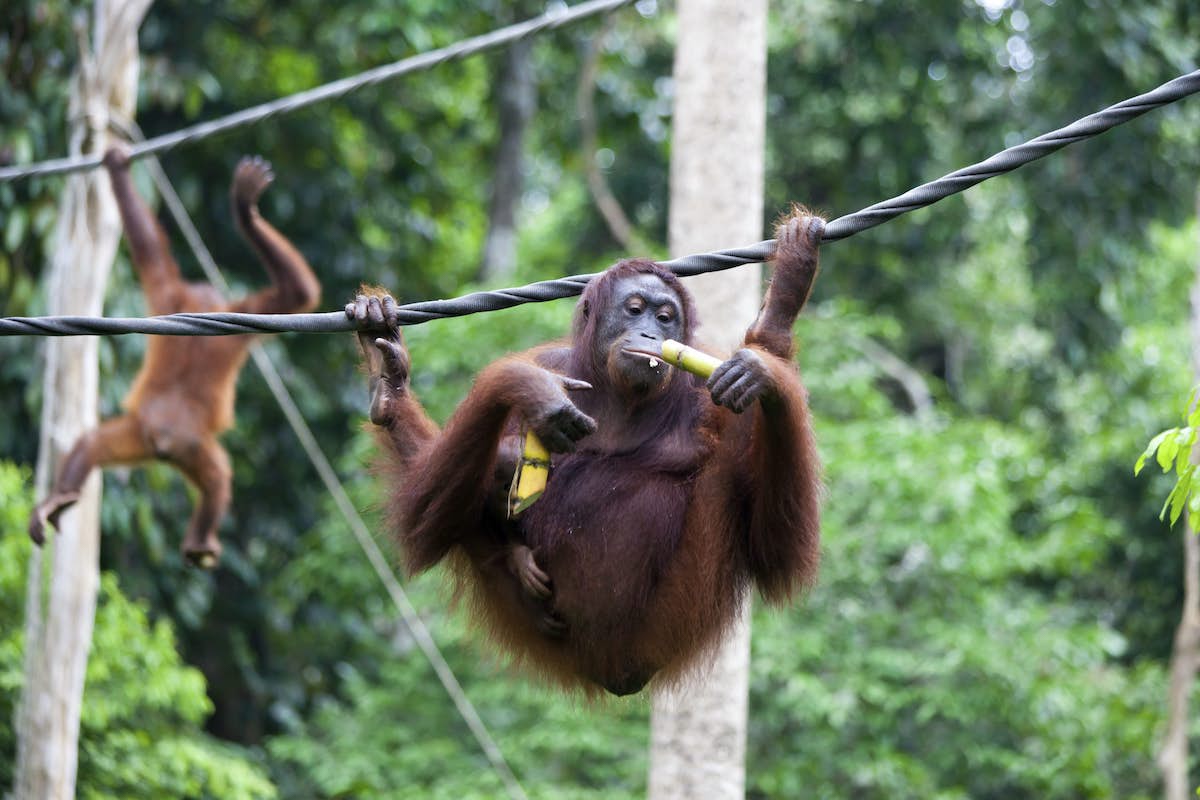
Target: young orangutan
[
  {"x": 667, "y": 500},
  {"x": 183, "y": 396}
]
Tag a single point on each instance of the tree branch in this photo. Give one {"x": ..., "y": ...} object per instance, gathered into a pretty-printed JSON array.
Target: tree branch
[
  {"x": 910, "y": 380},
  {"x": 610, "y": 208}
]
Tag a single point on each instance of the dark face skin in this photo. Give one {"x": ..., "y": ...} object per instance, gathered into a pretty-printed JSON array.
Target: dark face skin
[{"x": 644, "y": 313}]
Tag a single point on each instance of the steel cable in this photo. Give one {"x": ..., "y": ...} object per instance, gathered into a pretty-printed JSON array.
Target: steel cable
[
  {"x": 220, "y": 324},
  {"x": 329, "y": 91}
]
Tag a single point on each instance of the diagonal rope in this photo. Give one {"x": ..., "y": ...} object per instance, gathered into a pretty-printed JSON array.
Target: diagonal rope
[
  {"x": 551, "y": 20},
  {"x": 333, "y": 485},
  {"x": 220, "y": 324}
]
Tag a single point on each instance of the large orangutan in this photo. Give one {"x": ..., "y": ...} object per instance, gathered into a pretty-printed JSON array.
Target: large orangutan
[
  {"x": 184, "y": 394},
  {"x": 667, "y": 499}
]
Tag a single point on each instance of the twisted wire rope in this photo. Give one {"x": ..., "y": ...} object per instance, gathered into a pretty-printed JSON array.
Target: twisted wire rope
[
  {"x": 1007, "y": 160},
  {"x": 551, "y": 20}
]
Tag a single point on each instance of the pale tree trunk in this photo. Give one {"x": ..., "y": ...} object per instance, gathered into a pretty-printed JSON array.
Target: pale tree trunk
[
  {"x": 1185, "y": 653},
  {"x": 698, "y": 734},
  {"x": 516, "y": 99},
  {"x": 58, "y": 620}
]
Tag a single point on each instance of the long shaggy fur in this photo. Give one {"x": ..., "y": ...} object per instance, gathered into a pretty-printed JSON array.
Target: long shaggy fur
[{"x": 652, "y": 532}]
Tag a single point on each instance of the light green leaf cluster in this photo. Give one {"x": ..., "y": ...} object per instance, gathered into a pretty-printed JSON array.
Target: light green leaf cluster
[{"x": 1172, "y": 451}]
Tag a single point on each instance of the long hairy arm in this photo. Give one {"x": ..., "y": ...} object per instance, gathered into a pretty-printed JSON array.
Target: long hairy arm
[
  {"x": 294, "y": 288},
  {"x": 440, "y": 484},
  {"x": 148, "y": 245}
]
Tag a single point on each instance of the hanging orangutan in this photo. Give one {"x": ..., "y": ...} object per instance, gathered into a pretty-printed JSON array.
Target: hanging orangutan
[
  {"x": 668, "y": 497},
  {"x": 183, "y": 396}
]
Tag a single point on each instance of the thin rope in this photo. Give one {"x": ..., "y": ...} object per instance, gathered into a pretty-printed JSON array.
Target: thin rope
[
  {"x": 333, "y": 485},
  {"x": 220, "y": 324},
  {"x": 551, "y": 20}
]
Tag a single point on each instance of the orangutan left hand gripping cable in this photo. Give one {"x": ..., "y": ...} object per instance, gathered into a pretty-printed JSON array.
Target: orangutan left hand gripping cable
[
  {"x": 668, "y": 497},
  {"x": 183, "y": 396}
]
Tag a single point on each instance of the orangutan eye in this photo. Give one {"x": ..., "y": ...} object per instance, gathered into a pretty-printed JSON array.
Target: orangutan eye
[
  {"x": 665, "y": 316},
  {"x": 634, "y": 308}
]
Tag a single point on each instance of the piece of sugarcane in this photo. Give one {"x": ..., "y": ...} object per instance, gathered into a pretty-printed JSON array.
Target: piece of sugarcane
[
  {"x": 533, "y": 470},
  {"x": 697, "y": 362}
]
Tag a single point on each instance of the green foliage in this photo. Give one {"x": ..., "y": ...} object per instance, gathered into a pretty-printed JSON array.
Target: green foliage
[
  {"x": 143, "y": 715},
  {"x": 143, "y": 710},
  {"x": 14, "y": 547},
  {"x": 1172, "y": 450},
  {"x": 925, "y": 664},
  {"x": 556, "y": 747}
]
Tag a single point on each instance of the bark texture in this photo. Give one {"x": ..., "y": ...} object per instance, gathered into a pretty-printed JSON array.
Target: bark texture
[
  {"x": 59, "y": 616},
  {"x": 698, "y": 735}
]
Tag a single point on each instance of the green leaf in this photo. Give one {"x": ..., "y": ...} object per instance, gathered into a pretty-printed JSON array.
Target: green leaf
[
  {"x": 1150, "y": 448},
  {"x": 1167, "y": 503},
  {"x": 1184, "y": 439},
  {"x": 1179, "y": 494},
  {"x": 1192, "y": 409},
  {"x": 1166, "y": 452}
]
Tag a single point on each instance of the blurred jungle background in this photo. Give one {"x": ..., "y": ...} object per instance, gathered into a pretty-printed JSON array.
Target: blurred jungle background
[{"x": 998, "y": 597}]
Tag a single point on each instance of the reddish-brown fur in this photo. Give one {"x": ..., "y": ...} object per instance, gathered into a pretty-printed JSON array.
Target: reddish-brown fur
[
  {"x": 654, "y": 529},
  {"x": 183, "y": 396}
]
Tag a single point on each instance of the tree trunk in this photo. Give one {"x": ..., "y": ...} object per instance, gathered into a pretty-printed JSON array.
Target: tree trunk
[
  {"x": 1185, "y": 653},
  {"x": 698, "y": 734},
  {"x": 517, "y": 97},
  {"x": 58, "y": 625}
]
